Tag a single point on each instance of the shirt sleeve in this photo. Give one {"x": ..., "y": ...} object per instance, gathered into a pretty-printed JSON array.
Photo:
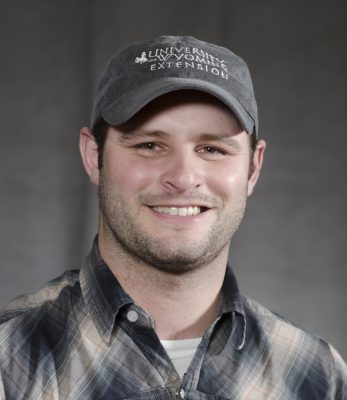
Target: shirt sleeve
[{"x": 340, "y": 375}]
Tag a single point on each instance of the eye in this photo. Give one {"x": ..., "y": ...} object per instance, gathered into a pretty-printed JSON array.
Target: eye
[
  {"x": 149, "y": 149},
  {"x": 149, "y": 146},
  {"x": 212, "y": 151}
]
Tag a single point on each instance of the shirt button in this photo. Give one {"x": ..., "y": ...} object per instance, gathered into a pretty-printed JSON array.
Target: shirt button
[
  {"x": 182, "y": 394},
  {"x": 132, "y": 316}
]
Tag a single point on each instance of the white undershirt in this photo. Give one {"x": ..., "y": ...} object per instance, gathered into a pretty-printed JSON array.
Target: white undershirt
[{"x": 181, "y": 352}]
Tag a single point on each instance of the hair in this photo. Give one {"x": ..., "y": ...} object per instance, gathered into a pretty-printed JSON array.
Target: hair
[
  {"x": 253, "y": 141},
  {"x": 100, "y": 130},
  {"x": 101, "y": 127}
]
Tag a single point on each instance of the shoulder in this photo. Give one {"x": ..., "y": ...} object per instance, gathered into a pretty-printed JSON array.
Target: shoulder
[
  {"x": 36, "y": 331},
  {"x": 277, "y": 330},
  {"x": 27, "y": 309},
  {"x": 288, "y": 346}
]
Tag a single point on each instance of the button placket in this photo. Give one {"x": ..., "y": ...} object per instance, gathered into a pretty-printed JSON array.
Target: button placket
[{"x": 180, "y": 394}]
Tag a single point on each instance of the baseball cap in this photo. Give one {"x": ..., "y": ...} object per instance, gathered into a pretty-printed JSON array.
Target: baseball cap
[{"x": 143, "y": 71}]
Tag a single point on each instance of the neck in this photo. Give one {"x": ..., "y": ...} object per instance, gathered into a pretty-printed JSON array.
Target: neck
[{"x": 181, "y": 305}]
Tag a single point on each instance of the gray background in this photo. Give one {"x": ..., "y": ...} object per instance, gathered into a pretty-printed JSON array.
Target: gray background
[{"x": 290, "y": 252}]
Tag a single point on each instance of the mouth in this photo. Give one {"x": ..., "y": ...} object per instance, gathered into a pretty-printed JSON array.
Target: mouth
[{"x": 181, "y": 211}]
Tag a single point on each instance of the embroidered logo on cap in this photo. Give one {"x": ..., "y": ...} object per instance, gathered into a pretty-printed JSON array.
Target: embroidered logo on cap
[
  {"x": 141, "y": 59},
  {"x": 183, "y": 57}
]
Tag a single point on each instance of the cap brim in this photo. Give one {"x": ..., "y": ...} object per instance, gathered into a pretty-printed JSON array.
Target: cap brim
[{"x": 126, "y": 106}]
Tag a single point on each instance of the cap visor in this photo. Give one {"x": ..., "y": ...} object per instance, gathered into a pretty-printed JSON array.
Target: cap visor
[{"x": 123, "y": 108}]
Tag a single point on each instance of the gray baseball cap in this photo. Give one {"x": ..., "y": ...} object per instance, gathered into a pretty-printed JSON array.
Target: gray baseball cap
[{"x": 143, "y": 71}]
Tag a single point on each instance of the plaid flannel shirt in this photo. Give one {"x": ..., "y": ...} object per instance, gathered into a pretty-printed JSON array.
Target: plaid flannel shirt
[{"x": 81, "y": 337}]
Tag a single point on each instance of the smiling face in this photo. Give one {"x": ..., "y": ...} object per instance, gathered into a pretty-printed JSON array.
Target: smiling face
[{"x": 174, "y": 182}]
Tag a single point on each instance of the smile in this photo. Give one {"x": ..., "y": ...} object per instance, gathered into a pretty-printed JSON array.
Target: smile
[{"x": 179, "y": 211}]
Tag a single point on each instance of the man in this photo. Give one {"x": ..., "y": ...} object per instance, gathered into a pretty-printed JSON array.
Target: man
[{"x": 155, "y": 313}]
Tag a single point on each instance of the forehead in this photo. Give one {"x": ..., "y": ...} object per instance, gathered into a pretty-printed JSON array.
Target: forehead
[{"x": 185, "y": 108}]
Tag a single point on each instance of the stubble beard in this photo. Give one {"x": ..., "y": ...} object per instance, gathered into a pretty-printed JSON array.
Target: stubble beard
[{"x": 133, "y": 241}]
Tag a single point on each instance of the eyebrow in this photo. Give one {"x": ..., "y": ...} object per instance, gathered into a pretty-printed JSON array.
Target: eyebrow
[
  {"x": 128, "y": 136},
  {"x": 225, "y": 139},
  {"x": 158, "y": 134}
]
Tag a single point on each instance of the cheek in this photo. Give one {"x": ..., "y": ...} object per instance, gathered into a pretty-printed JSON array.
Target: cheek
[
  {"x": 229, "y": 179},
  {"x": 131, "y": 174}
]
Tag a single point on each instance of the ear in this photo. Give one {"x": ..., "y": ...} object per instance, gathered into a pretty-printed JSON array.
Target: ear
[
  {"x": 89, "y": 154},
  {"x": 256, "y": 165}
]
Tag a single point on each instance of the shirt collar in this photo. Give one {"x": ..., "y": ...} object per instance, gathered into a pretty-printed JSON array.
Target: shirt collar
[
  {"x": 102, "y": 293},
  {"x": 232, "y": 303},
  {"x": 231, "y": 297},
  {"x": 104, "y": 296}
]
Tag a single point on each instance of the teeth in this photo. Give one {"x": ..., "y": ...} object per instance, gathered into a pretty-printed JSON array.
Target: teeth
[{"x": 180, "y": 211}]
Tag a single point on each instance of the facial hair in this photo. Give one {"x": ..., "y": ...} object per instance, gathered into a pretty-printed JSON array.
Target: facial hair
[{"x": 122, "y": 227}]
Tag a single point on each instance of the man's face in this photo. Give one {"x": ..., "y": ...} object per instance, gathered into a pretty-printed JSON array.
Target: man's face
[{"x": 174, "y": 182}]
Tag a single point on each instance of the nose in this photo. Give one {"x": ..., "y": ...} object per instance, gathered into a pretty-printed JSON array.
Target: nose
[{"x": 182, "y": 172}]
